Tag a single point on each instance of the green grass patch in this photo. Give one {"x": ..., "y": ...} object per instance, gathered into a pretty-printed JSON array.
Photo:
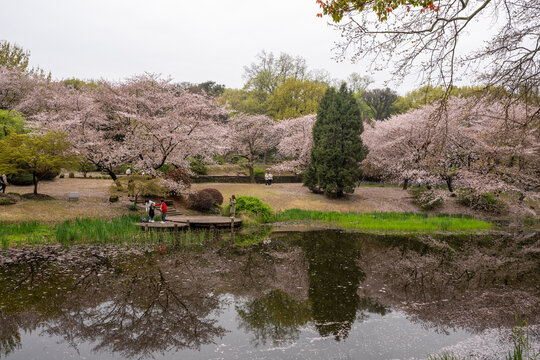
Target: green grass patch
[
  {"x": 27, "y": 233},
  {"x": 407, "y": 222},
  {"x": 120, "y": 230}
]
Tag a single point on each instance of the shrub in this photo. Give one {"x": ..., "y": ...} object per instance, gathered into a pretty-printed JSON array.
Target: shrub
[
  {"x": 201, "y": 201},
  {"x": 7, "y": 200},
  {"x": 487, "y": 202},
  {"x": 178, "y": 175},
  {"x": 198, "y": 166},
  {"x": 426, "y": 199},
  {"x": 252, "y": 206},
  {"x": 104, "y": 177},
  {"x": 21, "y": 179},
  {"x": 259, "y": 172},
  {"x": 216, "y": 195},
  {"x": 61, "y": 176},
  {"x": 219, "y": 160},
  {"x": 71, "y": 175},
  {"x": 133, "y": 207},
  {"x": 50, "y": 175},
  {"x": 146, "y": 187},
  {"x": 113, "y": 198}
]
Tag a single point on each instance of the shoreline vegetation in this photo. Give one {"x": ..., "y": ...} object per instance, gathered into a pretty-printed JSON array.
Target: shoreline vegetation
[
  {"x": 122, "y": 230},
  {"x": 389, "y": 221}
]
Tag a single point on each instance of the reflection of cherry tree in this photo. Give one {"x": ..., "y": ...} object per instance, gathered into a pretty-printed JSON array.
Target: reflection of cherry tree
[{"x": 148, "y": 313}]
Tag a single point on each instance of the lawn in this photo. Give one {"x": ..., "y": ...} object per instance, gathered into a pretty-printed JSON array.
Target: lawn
[{"x": 389, "y": 221}]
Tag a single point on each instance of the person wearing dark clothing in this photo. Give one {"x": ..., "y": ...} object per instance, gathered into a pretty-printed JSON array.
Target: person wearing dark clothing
[{"x": 3, "y": 183}]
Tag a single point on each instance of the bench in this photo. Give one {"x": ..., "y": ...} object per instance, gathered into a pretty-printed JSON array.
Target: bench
[{"x": 73, "y": 196}]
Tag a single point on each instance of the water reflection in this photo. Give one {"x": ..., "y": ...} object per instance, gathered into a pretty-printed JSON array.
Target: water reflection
[
  {"x": 334, "y": 276},
  {"x": 143, "y": 304}
]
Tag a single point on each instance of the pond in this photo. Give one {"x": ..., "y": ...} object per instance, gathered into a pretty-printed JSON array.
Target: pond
[{"x": 295, "y": 295}]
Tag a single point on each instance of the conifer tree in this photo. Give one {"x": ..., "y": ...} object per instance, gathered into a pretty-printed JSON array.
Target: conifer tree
[{"x": 337, "y": 147}]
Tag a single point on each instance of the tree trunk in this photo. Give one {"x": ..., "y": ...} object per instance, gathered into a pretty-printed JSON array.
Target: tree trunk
[
  {"x": 35, "y": 180},
  {"x": 112, "y": 174},
  {"x": 251, "y": 173},
  {"x": 449, "y": 184},
  {"x": 405, "y": 184}
]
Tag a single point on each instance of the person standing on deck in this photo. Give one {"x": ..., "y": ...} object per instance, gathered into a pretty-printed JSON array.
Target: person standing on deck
[
  {"x": 163, "y": 208},
  {"x": 150, "y": 210},
  {"x": 233, "y": 206}
]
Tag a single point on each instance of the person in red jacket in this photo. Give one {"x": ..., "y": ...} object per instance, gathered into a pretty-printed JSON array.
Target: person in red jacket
[{"x": 163, "y": 208}]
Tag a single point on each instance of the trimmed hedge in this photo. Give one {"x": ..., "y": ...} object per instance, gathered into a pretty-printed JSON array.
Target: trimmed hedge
[
  {"x": 216, "y": 195},
  {"x": 201, "y": 201}
]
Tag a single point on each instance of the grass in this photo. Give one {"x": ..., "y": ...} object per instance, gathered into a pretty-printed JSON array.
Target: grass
[
  {"x": 120, "y": 230},
  {"x": 391, "y": 221}
]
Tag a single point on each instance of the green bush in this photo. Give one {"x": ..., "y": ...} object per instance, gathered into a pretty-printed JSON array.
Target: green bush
[
  {"x": 219, "y": 160},
  {"x": 259, "y": 172},
  {"x": 426, "y": 199},
  {"x": 71, "y": 175},
  {"x": 252, "y": 206},
  {"x": 62, "y": 176},
  {"x": 113, "y": 198},
  {"x": 133, "y": 207},
  {"x": 6, "y": 200},
  {"x": 486, "y": 201},
  {"x": 21, "y": 180},
  {"x": 198, "y": 166}
]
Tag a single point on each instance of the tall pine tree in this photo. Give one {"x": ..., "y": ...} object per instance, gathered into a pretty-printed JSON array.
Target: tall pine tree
[{"x": 337, "y": 147}]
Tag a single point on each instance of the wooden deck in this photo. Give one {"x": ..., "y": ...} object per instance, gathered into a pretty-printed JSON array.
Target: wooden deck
[
  {"x": 168, "y": 225},
  {"x": 182, "y": 222},
  {"x": 205, "y": 221}
]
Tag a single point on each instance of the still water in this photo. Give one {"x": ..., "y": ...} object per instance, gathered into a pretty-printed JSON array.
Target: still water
[{"x": 297, "y": 295}]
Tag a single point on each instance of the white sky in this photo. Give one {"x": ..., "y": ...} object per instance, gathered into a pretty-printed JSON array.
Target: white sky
[{"x": 192, "y": 41}]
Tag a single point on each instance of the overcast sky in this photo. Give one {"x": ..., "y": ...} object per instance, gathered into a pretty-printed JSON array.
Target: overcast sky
[{"x": 192, "y": 41}]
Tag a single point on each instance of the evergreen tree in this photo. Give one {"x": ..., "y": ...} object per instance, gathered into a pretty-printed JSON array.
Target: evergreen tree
[{"x": 337, "y": 147}]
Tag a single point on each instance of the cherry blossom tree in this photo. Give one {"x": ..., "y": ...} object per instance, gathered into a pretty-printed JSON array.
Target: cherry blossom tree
[
  {"x": 251, "y": 136},
  {"x": 169, "y": 124},
  {"x": 94, "y": 129},
  {"x": 295, "y": 144},
  {"x": 144, "y": 120},
  {"x": 14, "y": 86},
  {"x": 483, "y": 145}
]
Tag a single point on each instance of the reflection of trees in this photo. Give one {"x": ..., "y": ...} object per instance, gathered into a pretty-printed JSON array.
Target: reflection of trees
[
  {"x": 334, "y": 277},
  {"x": 134, "y": 308},
  {"x": 275, "y": 316},
  {"x": 147, "y": 313}
]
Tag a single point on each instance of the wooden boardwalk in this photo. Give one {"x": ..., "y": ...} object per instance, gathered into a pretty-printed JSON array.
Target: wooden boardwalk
[
  {"x": 168, "y": 225},
  {"x": 183, "y": 222},
  {"x": 205, "y": 221}
]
